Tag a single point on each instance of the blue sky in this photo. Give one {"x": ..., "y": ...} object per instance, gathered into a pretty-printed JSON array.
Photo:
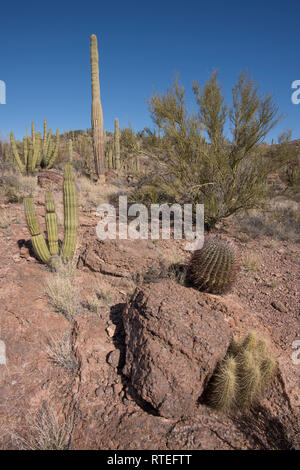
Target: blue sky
[{"x": 44, "y": 52}]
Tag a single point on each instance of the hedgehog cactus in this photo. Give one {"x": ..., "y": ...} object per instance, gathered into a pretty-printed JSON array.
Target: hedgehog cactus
[
  {"x": 70, "y": 223},
  {"x": 243, "y": 375},
  {"x": 213, "y": 268}
]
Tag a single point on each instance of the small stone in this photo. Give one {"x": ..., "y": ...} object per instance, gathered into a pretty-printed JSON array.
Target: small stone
[
  {"x": 278, "y": 306},
  {"x": 110, "y": 330},
  {"x": 113, "y": 358},
  {"x": 99, "y": 392},
  {"x": 117, "y": 388}
]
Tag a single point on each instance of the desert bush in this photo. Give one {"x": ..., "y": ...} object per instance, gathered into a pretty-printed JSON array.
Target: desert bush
[
  {"x": 214, "y": 267},
  {"x": 279, "y": 220},
  {"x": 16, "y": 187},
  {"x": 241, "y": 379},
  {"x": 199, "y": 163}
]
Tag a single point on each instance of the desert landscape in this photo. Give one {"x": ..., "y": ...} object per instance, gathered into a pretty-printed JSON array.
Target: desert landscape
[{"x": 141, "y": 344}]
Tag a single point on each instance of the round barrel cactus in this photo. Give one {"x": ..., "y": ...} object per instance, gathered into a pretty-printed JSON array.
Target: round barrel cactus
[{"x": 213, "y": 268}]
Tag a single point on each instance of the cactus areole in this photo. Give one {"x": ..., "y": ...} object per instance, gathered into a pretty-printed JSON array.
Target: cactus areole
[{"x": 97, "y": 114}]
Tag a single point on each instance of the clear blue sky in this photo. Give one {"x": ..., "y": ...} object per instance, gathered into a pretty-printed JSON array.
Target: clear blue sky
[{"x": 44, "y": 56}]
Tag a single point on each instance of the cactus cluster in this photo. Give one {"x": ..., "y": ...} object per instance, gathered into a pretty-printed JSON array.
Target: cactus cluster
[
  {"x": 46, "y": 253},
  {"x": 37, "y": 151},
  {"x": 214, "y": 267},
  {"x": 242, "y": 377}
]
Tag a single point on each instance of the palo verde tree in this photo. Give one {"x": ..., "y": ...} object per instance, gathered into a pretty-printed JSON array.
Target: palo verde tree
[{"x": 201, "y": 164}]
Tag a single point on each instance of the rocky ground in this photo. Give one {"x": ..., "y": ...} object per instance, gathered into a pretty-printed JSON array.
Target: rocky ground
[{"x": 129, "y": 375}]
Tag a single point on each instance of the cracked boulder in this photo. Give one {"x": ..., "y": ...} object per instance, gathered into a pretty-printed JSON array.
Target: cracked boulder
[{"x": 173, "y": 344}]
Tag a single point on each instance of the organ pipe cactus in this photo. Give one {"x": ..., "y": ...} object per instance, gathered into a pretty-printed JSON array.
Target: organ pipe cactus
[
  {"x": 51, "y": 224},
  {"x": 37, "y": 239},
  {"x": 70, "y": 223},
  {"x": 117, "y": 144},
  {"x": 97, "y": 113},
  {"x": 70, "y": 214},
  {"x": 213, "y": 268},
  {"x": 36, "y": 150}
]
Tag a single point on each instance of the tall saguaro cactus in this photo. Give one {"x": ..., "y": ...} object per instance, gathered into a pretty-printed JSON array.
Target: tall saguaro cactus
[{"x": 97, "y": 114}]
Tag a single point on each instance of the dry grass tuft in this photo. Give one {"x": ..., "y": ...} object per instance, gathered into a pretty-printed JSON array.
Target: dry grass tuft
[
  {"x": 63, "y": 292},
  {"x": 60, "y": 352},
  {"x": 5, "y": 219},
  {"x": 45, "y": 431},
  {"x": 251, "y": 262}
]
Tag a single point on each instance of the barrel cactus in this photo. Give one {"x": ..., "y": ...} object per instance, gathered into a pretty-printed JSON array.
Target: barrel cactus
[
  {"x": 214, "y": 267},
  {"x": 47, "y": 253}
]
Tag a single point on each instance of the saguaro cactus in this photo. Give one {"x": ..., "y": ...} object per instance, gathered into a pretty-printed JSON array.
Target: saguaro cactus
[
  {"x": 117, "y": 144},
  {"x": 70, "y": 223},
  {"x": 97, "y": 114}
]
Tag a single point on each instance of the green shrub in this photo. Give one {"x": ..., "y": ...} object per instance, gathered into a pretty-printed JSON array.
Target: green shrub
[{"x": 198, "y": 161}]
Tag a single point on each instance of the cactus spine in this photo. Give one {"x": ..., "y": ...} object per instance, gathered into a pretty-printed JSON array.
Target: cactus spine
[
  {"x": 97, "y": 113},
  {"x": 70, "y": 223},
  {"x": 117, "y": 144},
  {"x": 213, "y": 268}
]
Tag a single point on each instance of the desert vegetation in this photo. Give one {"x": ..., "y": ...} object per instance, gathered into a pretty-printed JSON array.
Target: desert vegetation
[{"x": 106, "y": 300}]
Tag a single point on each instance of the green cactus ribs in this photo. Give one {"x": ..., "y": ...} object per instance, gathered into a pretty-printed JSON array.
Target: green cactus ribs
[
  {"x": 70, "y": 214},
  {"x": 38, "y": 242},
  {"x": 214, "y": 267}
]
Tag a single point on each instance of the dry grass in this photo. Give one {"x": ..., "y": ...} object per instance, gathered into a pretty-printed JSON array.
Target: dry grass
[
  {"x": 5, "y": 219},
  {"x": 251, "y": 262},
  {"x": 60, "y": 352},
  {"x": 281, "y": 220},
  {"x": 93, "y": 194},
  {"x": 63, "y": 292},
  {"x": 45, "y": 431},
  {"x": 16, "y": 186}
]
